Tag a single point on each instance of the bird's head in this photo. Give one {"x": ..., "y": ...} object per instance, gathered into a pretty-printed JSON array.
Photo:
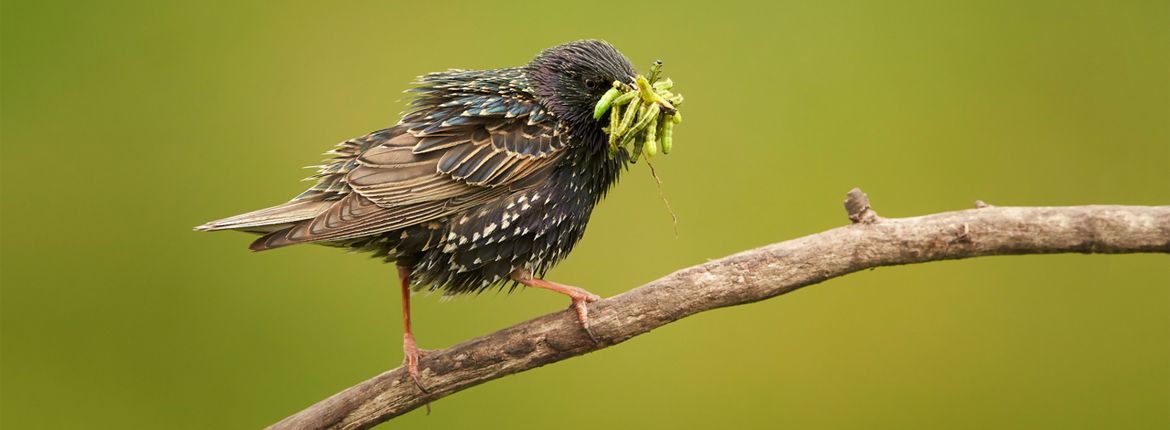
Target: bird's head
[{"x": 569, "y": 79}]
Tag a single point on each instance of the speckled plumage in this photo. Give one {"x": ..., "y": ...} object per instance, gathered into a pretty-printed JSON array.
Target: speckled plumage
[{"x": 488, "y": 172}]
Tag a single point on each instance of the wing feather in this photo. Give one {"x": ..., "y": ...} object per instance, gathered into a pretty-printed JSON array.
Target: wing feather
[{"x": 463, "y": 146}]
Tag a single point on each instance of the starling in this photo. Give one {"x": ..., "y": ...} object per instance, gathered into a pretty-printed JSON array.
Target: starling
[{"x": 488, "y": 180}]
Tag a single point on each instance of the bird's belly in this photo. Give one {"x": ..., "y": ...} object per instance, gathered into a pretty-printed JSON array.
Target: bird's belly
[{"x": 481, "y": 247}]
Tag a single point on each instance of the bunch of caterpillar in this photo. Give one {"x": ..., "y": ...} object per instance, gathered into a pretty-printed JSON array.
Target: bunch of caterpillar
[{"x": 643, "y": 114}]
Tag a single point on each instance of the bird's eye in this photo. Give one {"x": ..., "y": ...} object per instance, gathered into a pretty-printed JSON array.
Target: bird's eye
[{"x": 592, "y": 84}]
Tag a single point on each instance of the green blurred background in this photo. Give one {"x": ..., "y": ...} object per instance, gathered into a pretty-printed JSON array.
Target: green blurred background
[{"x": 127, "y": 123}]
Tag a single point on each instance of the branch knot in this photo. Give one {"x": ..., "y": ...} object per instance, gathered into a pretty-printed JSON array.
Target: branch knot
[{"x": 858, "y": 208}]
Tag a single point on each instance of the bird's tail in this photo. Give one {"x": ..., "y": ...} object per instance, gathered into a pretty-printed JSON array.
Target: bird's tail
[{"x": 269, "y": 219}]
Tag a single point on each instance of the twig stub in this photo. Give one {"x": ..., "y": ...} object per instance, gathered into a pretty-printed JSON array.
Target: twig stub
[{"x": 858, "y": 208}]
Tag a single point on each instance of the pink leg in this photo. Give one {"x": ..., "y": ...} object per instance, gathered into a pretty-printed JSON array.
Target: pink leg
[
  {"x": 579, "y": 296},
  {"x": 409, "y": 348}
]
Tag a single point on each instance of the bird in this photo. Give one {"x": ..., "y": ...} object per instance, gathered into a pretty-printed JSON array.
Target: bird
[{"x": 487, "y": 181}]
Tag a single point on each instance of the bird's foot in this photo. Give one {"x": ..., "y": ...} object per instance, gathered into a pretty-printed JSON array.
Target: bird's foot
[
  {"x": 581, "y": 300},
  {"x": 411, "y": 354}
]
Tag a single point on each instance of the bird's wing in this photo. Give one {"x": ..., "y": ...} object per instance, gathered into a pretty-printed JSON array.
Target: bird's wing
[
  {"x": 456, "y": 150},
  {"x": 463, "y": 160}
]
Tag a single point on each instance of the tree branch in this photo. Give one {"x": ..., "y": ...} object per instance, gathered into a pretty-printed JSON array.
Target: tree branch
[{"x": 747, "y": 277}]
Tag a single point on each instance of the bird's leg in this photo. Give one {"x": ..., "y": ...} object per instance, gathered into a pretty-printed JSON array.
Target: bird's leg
[
  {"x": 409, "y": 348},
  {"x": 580, "y": 297}
]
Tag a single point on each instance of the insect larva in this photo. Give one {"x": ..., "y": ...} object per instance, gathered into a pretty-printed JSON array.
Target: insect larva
[
  {"x": 651, "y": 146},
  {"x": 664, "y": 137},
  {"x": 628, "y": 118},
  {"x": 603, "y": 104}
]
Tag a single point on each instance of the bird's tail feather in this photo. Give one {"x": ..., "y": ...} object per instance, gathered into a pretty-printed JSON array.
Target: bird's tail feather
[
  {"x": 275, "y": 239},
  {"x": 269, "y": 219}
]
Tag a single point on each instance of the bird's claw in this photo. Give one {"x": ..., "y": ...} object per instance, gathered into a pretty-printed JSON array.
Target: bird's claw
[
  {"x": 580, "y": 297},
  {"x": 411, "y": 354},
  {"x": 581, "y": 300},
  {"x": 410, "y": 360}
]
